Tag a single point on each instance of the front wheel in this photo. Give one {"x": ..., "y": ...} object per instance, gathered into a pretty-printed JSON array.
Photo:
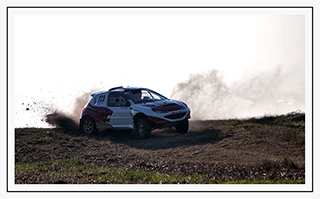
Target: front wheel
[
  {"x": 183, "y": 126},
  {"x": 143, "y": 128},
  {"x": 88, "y": 125}
]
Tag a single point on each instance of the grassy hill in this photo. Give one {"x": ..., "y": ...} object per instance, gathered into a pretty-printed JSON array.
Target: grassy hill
[{"x": 270, "y": 149}]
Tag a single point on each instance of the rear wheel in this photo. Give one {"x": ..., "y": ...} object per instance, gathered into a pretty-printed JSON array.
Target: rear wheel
[
  {"x": 183, "y": 126},
  {"x": 88, "y": 125},
  {"x": 143, "y": 128}
]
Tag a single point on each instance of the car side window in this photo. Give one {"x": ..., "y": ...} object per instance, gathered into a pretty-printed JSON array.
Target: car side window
[{"x": 116, "y": 100}]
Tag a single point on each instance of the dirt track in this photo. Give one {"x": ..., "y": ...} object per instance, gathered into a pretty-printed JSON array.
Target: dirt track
[{"x": 209, "y": 147}]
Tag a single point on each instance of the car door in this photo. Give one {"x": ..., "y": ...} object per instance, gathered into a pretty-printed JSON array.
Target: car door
[{"x": 121, "y": 113}]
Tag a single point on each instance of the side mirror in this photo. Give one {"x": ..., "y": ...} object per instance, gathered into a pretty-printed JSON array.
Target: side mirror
[{"x": 128, "y": 104}]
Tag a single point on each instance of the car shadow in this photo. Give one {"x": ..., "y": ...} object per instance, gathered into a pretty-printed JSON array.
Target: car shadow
[{"x": 162, "y": 139}]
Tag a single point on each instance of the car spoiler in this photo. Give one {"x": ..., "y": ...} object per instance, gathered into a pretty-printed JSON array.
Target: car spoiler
[{"x": 115, "y": 88}]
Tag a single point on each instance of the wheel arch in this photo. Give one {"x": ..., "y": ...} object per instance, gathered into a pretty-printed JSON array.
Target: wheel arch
[
  {"x": 139, "y": 116},
  {"x": 86, "y": 116}
]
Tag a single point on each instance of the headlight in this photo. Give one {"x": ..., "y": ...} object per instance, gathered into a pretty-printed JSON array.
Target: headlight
[{"x": 159, "y": 110}]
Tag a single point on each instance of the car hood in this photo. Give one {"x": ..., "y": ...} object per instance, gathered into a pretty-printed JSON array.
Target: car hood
[{"x": 166, "y": 105}]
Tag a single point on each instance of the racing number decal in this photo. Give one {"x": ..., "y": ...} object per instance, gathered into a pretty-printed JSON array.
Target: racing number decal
[{"x": 102, "y": 98}]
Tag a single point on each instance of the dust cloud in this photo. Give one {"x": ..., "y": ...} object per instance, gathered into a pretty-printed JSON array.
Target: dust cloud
[
  {"x": 62, "y": 120},
  {"x": 69, "y": 121},
  {"x": 265, "y": 93}
]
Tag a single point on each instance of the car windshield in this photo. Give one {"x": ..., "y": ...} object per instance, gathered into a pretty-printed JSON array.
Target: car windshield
[{"x": 143, "y": 95}]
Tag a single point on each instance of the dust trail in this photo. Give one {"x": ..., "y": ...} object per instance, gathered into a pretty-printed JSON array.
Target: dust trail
[
  {"x": 62, "y": 120},
  {"x": 268, "y": 92},
  {"x": 69, "y": 121}
]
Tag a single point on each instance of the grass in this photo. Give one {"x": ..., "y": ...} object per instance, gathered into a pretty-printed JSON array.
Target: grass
[
  {"x": 79, "y": 171},
  {"x": 43, "y": 140},
  {"x": 262, "y": 181},
  {"x": 284, "y": 128},
  {"x": 74, "y": 171}
]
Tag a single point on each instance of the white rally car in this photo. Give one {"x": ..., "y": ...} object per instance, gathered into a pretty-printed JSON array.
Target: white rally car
[{"x": 138, "y": 109}]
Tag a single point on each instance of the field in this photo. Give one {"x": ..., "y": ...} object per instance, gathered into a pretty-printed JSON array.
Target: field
[{"x": 264, "y": 150}]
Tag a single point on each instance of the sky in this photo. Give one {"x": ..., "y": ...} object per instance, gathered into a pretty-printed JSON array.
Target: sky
[{"x": 57, "y": 55}]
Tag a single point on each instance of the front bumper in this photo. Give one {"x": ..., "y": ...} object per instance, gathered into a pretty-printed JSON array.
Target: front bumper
[{"x": 170, "y": 119}]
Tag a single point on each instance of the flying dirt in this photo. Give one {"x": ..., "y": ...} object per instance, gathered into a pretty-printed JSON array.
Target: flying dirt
[{"x": 67, "y": 121}]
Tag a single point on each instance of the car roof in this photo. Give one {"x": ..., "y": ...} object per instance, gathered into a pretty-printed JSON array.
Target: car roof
[{"x": 118, "y": 89}]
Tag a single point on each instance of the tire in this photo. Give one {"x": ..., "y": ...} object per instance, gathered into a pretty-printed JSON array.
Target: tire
[
  {"x": 183, "y": 126},
  {"x": 143, "y": 128},
  {"x": 88, "y": 126}
]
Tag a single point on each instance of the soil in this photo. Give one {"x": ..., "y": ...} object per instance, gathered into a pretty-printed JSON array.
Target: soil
[{"x": 208, "y": 147}]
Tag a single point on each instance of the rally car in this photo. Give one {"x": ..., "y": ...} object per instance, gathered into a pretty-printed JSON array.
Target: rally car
[{"x": 133, "y": 108}]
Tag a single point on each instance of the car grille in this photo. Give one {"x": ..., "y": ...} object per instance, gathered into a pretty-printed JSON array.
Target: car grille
[{"x": 175, "y": 116}]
